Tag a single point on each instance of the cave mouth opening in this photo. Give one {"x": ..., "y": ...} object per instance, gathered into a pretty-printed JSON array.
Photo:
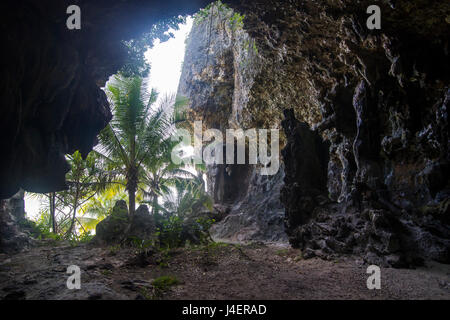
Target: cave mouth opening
[{"x": 164, "y": 55}]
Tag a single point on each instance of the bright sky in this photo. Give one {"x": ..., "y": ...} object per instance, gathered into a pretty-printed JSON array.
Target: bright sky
[{"x": 166, "y": 61}]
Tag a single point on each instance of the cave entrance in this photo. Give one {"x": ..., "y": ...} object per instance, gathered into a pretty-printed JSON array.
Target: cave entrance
[
  {"x": 235, "y": 181},
  {"x": 164, "y": 55}
]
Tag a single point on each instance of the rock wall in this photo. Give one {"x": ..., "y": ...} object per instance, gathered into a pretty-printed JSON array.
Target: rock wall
[
  {"x": 378, "y": 98},
  {"x": 220, "y": 65},
  {"x": 14, "y": 230}
]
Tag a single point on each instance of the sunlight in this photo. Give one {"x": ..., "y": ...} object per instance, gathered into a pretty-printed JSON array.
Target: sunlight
[
  {"x": 32, "y": 206},
  {"x": 166, "y": 60}
]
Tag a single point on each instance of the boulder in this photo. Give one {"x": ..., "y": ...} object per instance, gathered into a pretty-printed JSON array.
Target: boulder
[
  {"x": 15, "y": 230},
  {"x": 143, "y": 224},
  {"x": 116, "y": 227}
]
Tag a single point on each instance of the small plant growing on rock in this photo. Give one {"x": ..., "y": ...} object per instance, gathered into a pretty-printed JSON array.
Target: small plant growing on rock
[
  {"x": 162, "y": 284},
  {"x": 114, "y": 249},
  {"x": 282, "y": 252},
  {"x": 237, "y": 21},
  {"x": 204, "y": 13}
]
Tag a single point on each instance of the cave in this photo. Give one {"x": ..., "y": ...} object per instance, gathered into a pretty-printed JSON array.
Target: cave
[
  {"x": 231, "y": 182},
  {"x": 362, "y": 113}
]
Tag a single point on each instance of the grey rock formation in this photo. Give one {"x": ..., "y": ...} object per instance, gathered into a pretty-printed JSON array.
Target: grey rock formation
[
  {"x": 379, "y": 98},
  {"x": 220, "y": 65},
  {"x": 116, "y": 227},
  {"x": 15, "y": 234},
  {"x": 259, "y": 215},
  {"x": 112, "y": 228}
]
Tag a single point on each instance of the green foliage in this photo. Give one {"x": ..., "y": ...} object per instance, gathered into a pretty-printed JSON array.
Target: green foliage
[
  {"x": 173, "y": 231},
  {"x": 106, "y": 272},
  {"x": 253, "y": 45},
  {"x": 136, "y": 64},
  {"x": 43, "y": 226},
  {"x": 164, "y": 257},
  {"x": 45, "y": 233},
  {"x": 85, "y": 237},
  {"x": 84, "y": 180},
  {"x": 136, "y": 134},
  {"x": 211, "y": 8},
  {"x": 203, "y": 224},
  {"x": 178, "y": 218},
  {"x": 143, "y": 245},
  {"x": 31, "y": 226},
  {"x": 237, "y": 21},
  {"x": 160, "y": 285},
  {"x": 113, "y": 250},
  {"x": 282, "y": 252},
  {"x": 255, "y": 48},
  {"x": 169, "y": 231},
  {"x": 101, "y": 206},
  {"x": 164, "y": 282}
]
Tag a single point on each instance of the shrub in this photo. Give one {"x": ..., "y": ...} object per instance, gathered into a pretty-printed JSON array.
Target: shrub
[{"x": 164, "y": 282}]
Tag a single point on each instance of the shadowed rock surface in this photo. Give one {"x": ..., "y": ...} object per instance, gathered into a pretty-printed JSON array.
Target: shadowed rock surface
[
  {"x": 14, "y": 230},
  {"x": 247, "y": 272},
  {"x": 116, "y": 228},
  {"x": 219, "y": 68}
]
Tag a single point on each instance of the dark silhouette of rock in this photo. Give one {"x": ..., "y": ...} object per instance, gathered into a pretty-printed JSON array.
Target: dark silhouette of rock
[
  {"x": 116, "y": 228},
  {"x": 15, "y": 230}
]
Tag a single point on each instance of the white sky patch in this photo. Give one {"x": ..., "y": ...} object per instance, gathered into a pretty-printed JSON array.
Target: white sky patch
[
  {"x": 32, "y": 206},
  {"x": 166, "y": 59}
]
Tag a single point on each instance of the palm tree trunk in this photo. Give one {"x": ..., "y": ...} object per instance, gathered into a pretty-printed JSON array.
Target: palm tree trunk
[
  {"x": 52, "y": 197},
  {"x": 132, "y": 183},
  {"x": 75, "y": 207},
  {"x": 131, "y": 209},
  {"x": 132, "y": 201},
  {"x": 154, "y": 203}
]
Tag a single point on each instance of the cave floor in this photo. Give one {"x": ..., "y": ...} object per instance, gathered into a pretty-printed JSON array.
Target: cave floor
[{"x": 218, "y": 271}]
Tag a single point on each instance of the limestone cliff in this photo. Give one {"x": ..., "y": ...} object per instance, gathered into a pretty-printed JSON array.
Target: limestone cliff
[
  {"x": 219, "y": 70},
  {"x": 378, "y": 99}
]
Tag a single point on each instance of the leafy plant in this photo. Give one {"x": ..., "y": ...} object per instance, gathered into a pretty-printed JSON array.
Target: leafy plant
[
  {"x": 136, "y": 132},
  {"x": 136, "y": 65},
  {"x": 204, "y": 13},
  {"x": 59, "y": 210},
  {"x": 170, "y": 231},
  {"x": 160, "y": 285},
  {"x": 114, "y": 249},
  {"x": 164, "y": 282},
  {"x": 237, "y": 21}
]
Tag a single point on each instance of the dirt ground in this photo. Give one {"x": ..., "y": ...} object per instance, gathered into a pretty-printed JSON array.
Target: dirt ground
[{"x": 217, "y": 271}]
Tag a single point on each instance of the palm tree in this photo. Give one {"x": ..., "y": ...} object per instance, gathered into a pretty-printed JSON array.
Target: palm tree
[
  {"x": 161, "y": 174},
  {"x": 187, "y": 197},
  {"x": 99, "y": 207},
  {"x": 136, "y": 134}
]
